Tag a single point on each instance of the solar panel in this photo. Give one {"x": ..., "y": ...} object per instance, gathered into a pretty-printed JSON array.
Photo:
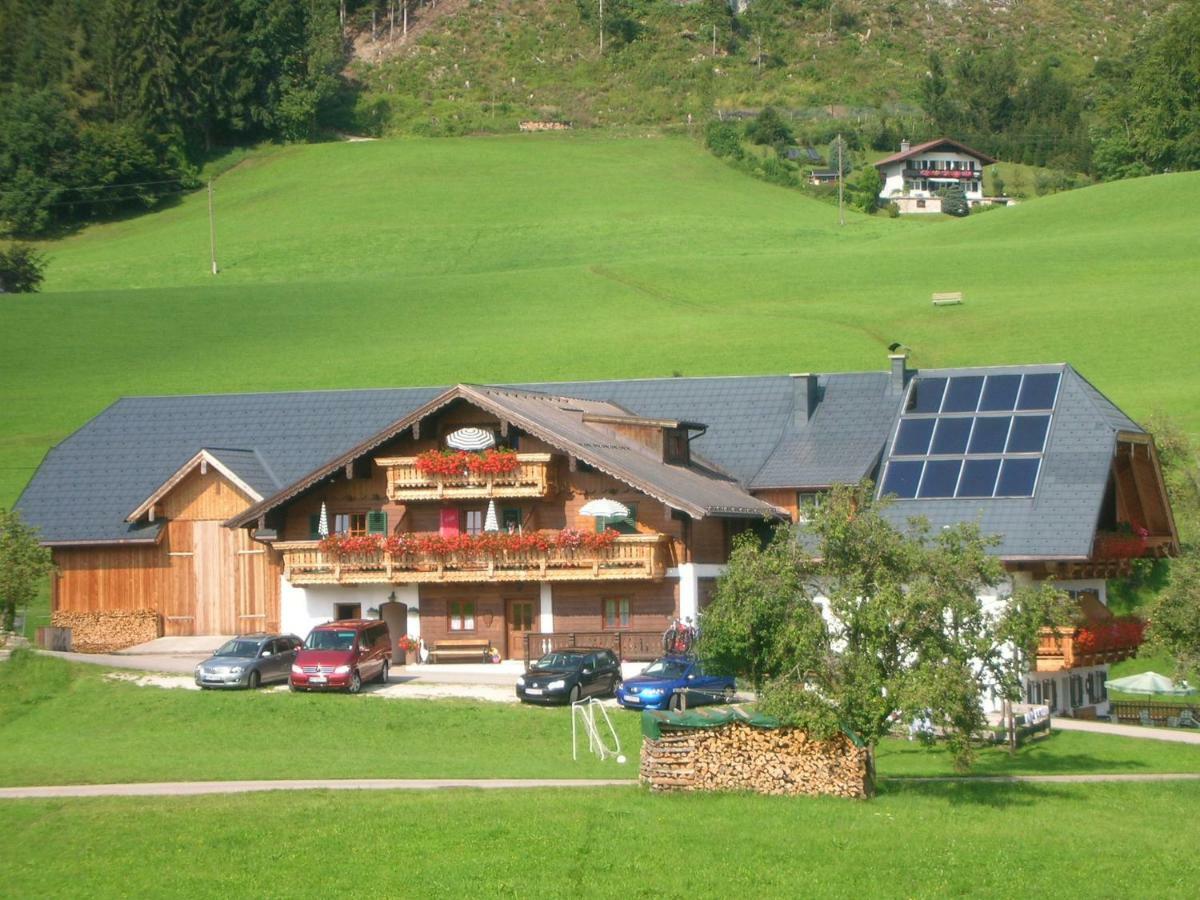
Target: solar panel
[{"x": 972, "y": 436}]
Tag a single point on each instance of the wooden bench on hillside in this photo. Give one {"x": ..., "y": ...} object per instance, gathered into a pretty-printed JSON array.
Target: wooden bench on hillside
[
  {"x": 950, "y": 298},
  {"x": 468, "y": 649}
]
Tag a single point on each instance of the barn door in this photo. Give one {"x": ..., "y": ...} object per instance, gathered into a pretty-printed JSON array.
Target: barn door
[{"x": 214, "y": 568}]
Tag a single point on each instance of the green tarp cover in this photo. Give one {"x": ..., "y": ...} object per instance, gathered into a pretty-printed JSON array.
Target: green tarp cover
[{"x": 654, "y": 721}]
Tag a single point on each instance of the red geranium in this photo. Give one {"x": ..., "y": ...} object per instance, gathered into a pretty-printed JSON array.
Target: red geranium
[{"x": 459, "y": 462}]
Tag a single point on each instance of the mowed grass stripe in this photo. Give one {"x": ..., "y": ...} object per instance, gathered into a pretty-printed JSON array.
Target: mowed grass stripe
[{"x": 932, "y": 840}]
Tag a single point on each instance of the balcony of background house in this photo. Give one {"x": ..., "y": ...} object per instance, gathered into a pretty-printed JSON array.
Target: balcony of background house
[
  {"x": 427, "y": 558},
  {"x": 961, "y": 174},
  {"x": 438, "y": 475},
  {"x": 1098, "y": 643}
]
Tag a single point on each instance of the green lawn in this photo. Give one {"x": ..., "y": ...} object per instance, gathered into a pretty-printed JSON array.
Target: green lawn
[
  {"x": 69, "y": 724},
  {"x": 927, "y": 841},
  {"x": 1161, "y": 663},
  {"x": 432, "y": 261}
]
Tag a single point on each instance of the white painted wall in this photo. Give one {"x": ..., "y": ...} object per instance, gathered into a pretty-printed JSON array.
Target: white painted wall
[
  {"x": 302, "y": 608},
  {"x": 546, "y": 610}
]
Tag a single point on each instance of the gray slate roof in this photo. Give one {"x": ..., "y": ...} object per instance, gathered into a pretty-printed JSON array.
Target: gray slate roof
[
  {"x": 1059, "y": 521},
  {"x": 840, "y": 443},
  {"x": 274, "y": 440}
]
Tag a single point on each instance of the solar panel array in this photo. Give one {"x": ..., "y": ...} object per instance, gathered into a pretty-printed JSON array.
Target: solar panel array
[{"x": 971, "y": 436}]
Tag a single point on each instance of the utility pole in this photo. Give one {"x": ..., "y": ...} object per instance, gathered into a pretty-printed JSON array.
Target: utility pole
[
  {"x": 758, "y": 38},
  {"x": 714, "y": 53},
  {"x": 601, "y": 27},
  {"x": 841, "y": 209},
  {"x": 404, "y": 8},
  {"x": 212, "y": 230}
]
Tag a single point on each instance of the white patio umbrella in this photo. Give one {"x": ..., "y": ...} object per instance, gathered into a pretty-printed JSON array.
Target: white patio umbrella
[
  {"x": 604, "y": 508},
  {"x": 1148, "y": 683},
  {"x": 471, "y": 439},
  {"x": 323, "y": 522},
  {"x": 490, "y": 523}
]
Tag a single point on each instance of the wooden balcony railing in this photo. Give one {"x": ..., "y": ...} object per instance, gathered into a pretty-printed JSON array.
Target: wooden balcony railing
[
  {"x": 1073, "y": 648},
  {"x": 533, "y": 477},
  {"x": 631, "y": 646},
  {"x": 1117, "y": 545},
  {"x": 630, "y": 557}
]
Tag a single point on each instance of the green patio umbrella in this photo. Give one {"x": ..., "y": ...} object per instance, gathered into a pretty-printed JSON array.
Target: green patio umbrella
[{"x": 1149, "y": 683}]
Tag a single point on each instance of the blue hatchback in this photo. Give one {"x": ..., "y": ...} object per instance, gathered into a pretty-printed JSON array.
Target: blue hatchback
[{"x": 656, "y": 687}]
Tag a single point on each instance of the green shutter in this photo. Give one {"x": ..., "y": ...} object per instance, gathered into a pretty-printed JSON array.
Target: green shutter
[
  {"x": 377, "y": 522},
  {"x": 314, "y": 525},
  {"x": 510, "y": 518}
]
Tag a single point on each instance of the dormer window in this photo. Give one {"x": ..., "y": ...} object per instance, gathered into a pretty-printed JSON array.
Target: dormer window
[{"x": 676, "y": 451}]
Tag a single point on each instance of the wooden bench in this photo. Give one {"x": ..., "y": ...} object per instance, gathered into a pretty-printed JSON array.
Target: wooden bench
[
  {"x": 950, "y": 298},
  {"x": 471, "y": 649}
]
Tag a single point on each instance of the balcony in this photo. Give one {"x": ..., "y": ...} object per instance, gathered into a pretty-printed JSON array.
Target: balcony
[
  {"x": 534, "y": 476},
  {"x": 960, "y": 174},
  {"x": 1091, "y": 645},
  {"x": 633, "y": 557},
  {"x": 1121, "y": 545}
]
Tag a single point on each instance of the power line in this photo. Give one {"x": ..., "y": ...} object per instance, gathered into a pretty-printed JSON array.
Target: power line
[{"x": 98, "y": 187}]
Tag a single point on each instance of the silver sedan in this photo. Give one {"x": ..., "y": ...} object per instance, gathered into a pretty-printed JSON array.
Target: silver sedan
[{"x": 249, "y": 660}]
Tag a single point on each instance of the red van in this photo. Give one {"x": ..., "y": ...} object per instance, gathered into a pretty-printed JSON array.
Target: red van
[{"x": 342, "y": 656}]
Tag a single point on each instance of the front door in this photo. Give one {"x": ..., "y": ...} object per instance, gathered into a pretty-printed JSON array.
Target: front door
[{"x": 520, "y": 622}]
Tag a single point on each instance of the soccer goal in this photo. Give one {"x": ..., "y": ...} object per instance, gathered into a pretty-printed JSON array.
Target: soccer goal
[{"x": 584, "y": 720}]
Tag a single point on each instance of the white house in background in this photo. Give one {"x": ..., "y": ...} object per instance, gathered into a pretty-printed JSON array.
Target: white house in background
[{"x": 912, "y": 177}]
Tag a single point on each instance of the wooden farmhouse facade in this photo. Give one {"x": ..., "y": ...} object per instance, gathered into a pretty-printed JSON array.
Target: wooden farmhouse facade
[{"x": 263, "y": 512}]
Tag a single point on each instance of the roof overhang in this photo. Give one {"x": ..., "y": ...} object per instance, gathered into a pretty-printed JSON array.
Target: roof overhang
[
  {"x": 478, "y": 398},
  {"x": 201, "y": 460}
]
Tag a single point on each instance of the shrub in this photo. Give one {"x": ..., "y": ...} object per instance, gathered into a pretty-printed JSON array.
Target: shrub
[
  {"x": 769, "y": 128},
  {"x": 893, "y": 209},
  {"x": 954, "y": 201},
  {"x": 21, "y": 269},
  {"x": 723, "y": 139}
]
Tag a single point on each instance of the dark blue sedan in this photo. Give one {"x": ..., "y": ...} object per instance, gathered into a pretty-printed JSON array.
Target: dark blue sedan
[{"x": 662, "y": 683}]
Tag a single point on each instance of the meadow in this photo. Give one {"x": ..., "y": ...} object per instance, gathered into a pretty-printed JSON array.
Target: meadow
[
  {"x": 958, "y": 840},
  {"x": 65, "y": 723},
  {"x": 581, "y": 256}
]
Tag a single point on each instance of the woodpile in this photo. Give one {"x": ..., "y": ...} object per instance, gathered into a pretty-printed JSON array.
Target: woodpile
[
  {"x": 103, "y": 632},
  {"x": 741, "y": 757}
]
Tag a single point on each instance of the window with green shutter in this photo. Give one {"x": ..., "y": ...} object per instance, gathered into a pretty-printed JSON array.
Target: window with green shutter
[
  {"x": 377, "y": 522},
  {"x": 314, "y": 526},
  {"x": 624, "y": 524},
  {"x": 510, "y": 519}
]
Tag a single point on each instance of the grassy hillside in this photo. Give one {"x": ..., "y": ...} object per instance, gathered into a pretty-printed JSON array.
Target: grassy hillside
[{"x": 553, "y": 256}]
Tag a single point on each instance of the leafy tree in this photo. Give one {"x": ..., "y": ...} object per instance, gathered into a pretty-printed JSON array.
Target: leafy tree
[
  {"x": 37, "y": 145},
  {"x": 954, "y": 201},
  {"x": 23, "y": 562},
  {"x": 1019, "y": 630},
  {"x": 21, "y": 269},
  {"x": 866, "y": 190},
  {"x": 904, "y": 631},
  {"x": 769, "y": 128}
]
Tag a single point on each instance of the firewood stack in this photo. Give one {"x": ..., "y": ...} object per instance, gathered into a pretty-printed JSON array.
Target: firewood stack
[
  {"x": 103, "y": 632},
  {"x": 741, "y": 757}
]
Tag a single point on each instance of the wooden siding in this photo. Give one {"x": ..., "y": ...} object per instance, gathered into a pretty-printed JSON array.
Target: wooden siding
[
  {"x": 581, "y": 607},
  {"x": 785, "y": 498},
  {"x": 203, "y": 497},
  {"x": 201, "y": 578},
  {"x": 490, "y": 601}
]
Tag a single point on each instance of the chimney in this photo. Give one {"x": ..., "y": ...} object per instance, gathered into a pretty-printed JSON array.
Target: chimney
[
  {"x": 905, "y": 146},
  {"x": 899, "y": 370},
  {"x": 804, "y": 398}
]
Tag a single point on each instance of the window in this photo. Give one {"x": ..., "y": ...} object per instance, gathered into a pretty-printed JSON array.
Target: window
[
  {"x": 510, "y": 519},
  {"x": 806, "y": 502},
  {"x": 474, "y": 521},
  {"x": 616, "y": 613},
  {"x": 462, "y": 615},
  {"x": 675, "y": 446},
  {"x": 352, "y": 524}
]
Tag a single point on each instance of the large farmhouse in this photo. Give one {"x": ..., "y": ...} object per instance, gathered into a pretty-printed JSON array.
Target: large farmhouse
[
  {"x": 912, "y": 177},
  {"x": 236, "y": 513}
]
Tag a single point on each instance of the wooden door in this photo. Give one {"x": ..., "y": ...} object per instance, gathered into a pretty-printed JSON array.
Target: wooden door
[{"x": 520, "y": 620}]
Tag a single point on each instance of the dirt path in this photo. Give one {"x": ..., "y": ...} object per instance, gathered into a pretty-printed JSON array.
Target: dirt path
[{"x": 195, "y": 788}]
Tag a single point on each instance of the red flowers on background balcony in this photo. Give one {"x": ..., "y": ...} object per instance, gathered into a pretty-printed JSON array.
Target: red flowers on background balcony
[
  {"x": 1124, "y": 633},
  {"x": 1128, "y": 542},
  {"x": 461, "y": 462},
  {"x": 487, "y": 544}
]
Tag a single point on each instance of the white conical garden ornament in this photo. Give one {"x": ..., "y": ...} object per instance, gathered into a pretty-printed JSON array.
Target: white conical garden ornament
[
  {"x": 490, "y": 523},
  {"x": 471, "y": 439},
  {"x": 323, "y": 522},
  {"x": 604, "y": 508}
]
